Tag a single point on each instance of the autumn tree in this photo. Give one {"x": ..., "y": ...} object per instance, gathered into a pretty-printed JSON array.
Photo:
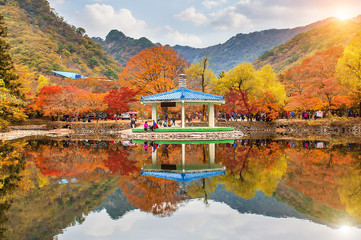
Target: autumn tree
[
  {"x": 11, "y": 96},
  {"x": 153, "y": 70},
  {"x": 7, "y": 71},
  {"x": 349, "y": 70},
  {"x": 89, "y": 102},
  {"x": 118, "y": 100},
  {"x": 312, "y": 85},
  {"x": 56, "y": 100},
  {"x": 250, "y": 86},
  {"x": 200, "y": 76}
]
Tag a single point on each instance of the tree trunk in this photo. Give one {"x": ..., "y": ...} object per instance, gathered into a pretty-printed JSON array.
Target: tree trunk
[{"x": 204, "y": 112}]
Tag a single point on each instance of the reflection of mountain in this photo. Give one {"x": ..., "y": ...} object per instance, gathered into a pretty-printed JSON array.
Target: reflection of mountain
[
  {"x": 44, "y": 212},
  {"x": 314, "y": 209},
  {"x": 260, "y": 204},
  {"x": 285, "y": 203},
  {"x": 116, "y": 205}
]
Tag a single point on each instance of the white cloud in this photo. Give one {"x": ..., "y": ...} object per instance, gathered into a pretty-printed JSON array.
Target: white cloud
[
  {"x": 57, "y": 2},
  {"x": 99, "y": 19},
  {"x": 190, "y": 14},
  {"x": 195, "y": 221},
  {"x": 228, "y": 18},
  {"x": 175, "y": 37},
  {"x": 211, "y": 4}
]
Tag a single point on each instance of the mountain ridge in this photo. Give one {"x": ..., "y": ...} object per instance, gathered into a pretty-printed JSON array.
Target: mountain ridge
[
  {"x": 122, "y": 47},
  {"x": 244, "y": 47},
  {"x": 305, "y": 44},
  {"x": 44, "y": 42}
]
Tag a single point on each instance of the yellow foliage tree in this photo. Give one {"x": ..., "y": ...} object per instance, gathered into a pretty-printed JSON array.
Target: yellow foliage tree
[
  {"x": 349, "y": 70},
  {"x": 11, "y": 107}
]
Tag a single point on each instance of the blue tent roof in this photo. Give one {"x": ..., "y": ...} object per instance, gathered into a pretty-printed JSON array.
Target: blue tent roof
[
  {"x": 69, "y": 74},
  {"x": 183, "y": 177},
  {"x": 182, "y": 94}
]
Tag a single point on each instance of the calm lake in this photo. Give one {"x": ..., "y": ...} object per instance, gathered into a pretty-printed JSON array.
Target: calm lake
[{"x": 238, "y": 189}]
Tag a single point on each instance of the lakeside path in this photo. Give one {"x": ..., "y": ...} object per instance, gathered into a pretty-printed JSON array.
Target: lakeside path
[{"x": 16, "y": 134}]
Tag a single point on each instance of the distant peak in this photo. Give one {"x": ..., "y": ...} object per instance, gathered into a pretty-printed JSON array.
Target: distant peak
[{"x": 115, "y": 34}]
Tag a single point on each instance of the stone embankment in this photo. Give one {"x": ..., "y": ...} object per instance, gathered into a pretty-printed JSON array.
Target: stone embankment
[
  {"x": 183, "y": 135},
  {"x": 292, "y": 128}
]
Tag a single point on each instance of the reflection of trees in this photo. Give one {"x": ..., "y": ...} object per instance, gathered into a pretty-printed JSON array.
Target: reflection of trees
[
  {"x": 156, "y": 195},
  {"x": 43, "y": 212},
  {"x": 202, "y": 188},
  {"x": 13, "y": 177},
  {"x": 350, "y": 187},
  {"x": 315, "y": 172},
  {"x": 49, "y": 207},
  {"x": 82, "y": 161},
  {"x": 350, "y": 192},
  {"x": 251, "y": 168},
  {"x": 118, "y": 162}
]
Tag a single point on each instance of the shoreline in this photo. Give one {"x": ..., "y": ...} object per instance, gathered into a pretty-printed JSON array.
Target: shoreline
[{"x": 350, "y": 129}]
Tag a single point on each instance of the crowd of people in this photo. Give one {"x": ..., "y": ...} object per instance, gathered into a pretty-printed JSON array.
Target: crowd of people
[{"x": 168, "y": 122}]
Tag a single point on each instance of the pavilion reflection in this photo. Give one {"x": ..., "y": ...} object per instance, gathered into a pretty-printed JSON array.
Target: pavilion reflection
[{"x": 183, "y": 171}]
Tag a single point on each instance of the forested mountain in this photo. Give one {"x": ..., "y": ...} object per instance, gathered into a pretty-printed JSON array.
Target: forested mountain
[
  {"x": 122, "y": 47},
  {"x": 244, "y": 47},
  {"x": 44, "y": 42},
  {"x": 284, "y": 56}
]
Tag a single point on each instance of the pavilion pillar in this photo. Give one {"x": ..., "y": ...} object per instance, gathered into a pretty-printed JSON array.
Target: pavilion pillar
[
  {"x": 183, "y": 116},
  {"x": 212, "y": 153},
  {"x": 154, "y": 112},
  {"x": 211, "y": 115},
  {"x": 183, "y": 157},
  {"x": 154, "y": 158}
]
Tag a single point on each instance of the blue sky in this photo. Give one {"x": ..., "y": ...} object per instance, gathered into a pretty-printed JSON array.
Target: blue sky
[{"x": 197, "y": 23}]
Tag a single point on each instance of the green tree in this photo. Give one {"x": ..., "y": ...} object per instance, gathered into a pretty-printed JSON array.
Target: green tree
[
  {"x": 349, "y": 70},
  {"x": 80, "y": 31}
]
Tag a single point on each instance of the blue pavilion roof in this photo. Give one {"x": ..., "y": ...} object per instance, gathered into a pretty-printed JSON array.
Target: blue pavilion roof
[
  {"x": 182, "y": 94},
  {"x": 69, "y": 74},
  {"x": 183, "y": 177}
]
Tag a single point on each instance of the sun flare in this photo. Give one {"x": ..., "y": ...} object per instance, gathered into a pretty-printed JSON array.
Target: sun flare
[{"x": 342, "y": 15}]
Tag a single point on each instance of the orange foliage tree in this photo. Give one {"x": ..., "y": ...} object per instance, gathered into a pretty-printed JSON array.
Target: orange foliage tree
[
  {"x": 153, "y": 70},
  {"x": 91, "y": 103},
  {"x": 57, "y": 100},
  {"x": 240, "y": 102},
  {"x": 118, "y": 100},
  {"x": 312, "y": 85}
]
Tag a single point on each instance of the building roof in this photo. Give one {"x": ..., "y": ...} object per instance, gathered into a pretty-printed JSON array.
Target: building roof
[
  {"x": 183, "y": 177},
  {"x": 69, "y": 75},
  {"x": 182, "y": 94}
]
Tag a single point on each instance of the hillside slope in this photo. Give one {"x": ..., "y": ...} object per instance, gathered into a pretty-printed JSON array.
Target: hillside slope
[
  {"x": 121, "y": 47},
  {"x": 45, "y": 42},
  {"x": 284, "y": 56},
  {"x": 244, "y": 47}
]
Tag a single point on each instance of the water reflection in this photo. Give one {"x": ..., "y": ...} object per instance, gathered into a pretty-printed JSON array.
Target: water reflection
[
  {"x": 47, "y": 186},
  {"x": 182, "y": 172}
]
